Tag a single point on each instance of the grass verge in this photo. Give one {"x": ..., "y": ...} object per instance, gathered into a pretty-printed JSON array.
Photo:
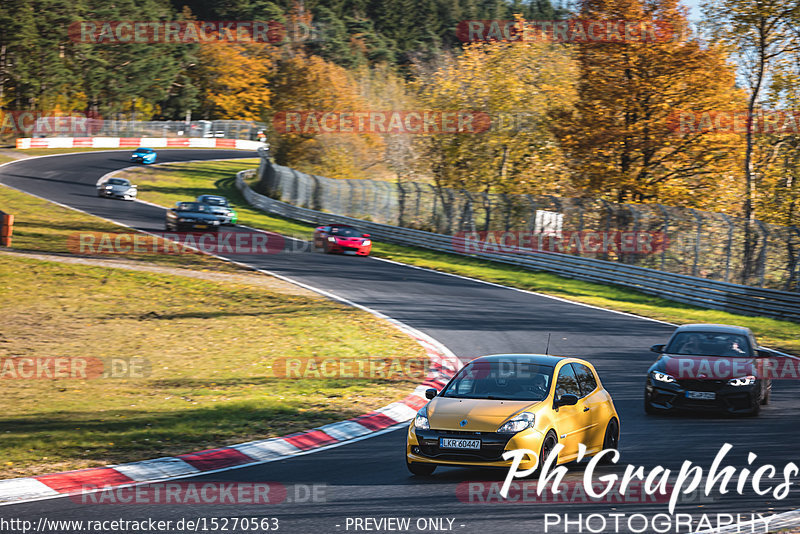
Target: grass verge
[
  {"x": 165, "y": 185},
  {"x": 210, "y": 345}
]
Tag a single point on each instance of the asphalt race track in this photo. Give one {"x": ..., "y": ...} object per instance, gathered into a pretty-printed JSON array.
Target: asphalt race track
[{"x": 368, "y": 478}]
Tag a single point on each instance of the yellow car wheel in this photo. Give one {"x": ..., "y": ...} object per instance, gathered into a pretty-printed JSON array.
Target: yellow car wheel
[
  {"x": 611, "y": 439},
  {"x": 548, "y": 444}
]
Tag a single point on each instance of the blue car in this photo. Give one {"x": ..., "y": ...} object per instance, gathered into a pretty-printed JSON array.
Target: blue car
[{"x": 144, "y": 155}]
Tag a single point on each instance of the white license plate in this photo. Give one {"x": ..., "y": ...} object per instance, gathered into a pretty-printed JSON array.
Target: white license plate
[
  {"x": 701, "y": 395},
  {"x": 453, "y": 443}
]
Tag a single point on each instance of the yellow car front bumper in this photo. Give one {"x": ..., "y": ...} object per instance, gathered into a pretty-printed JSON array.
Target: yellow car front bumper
[{"x": 528, "y": 439}]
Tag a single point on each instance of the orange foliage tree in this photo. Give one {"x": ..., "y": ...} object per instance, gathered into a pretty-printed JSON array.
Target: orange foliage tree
[
  {"x": 622, "y": 140},
  {"x": 308, "y": 83},
  {"x": 233, "y": 78}
]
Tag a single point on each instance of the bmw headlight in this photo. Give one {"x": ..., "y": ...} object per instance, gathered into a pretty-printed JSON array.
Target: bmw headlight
[
  {"x": 520, "y": 422},
  {"x": 183, "y": 220},
  {"x": 421, "y": 420},
  {"x": 662, "y": 377},
  {"x": 332, "y": 239},
  {"x": 109, "y": 187},
  {"x": 742, "y": 381},
  {"x": 366, "y": 242}
]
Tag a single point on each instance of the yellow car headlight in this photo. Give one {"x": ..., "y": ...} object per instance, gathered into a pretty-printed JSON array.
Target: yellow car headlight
[
  {"x": 520, "y": 422},
  {"x": 421, "y": 420}
]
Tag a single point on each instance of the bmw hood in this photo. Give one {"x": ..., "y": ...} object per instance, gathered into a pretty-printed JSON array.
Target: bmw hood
[
  {"x": 481, "y": 415},
  {"x": 197, "y": 216}
]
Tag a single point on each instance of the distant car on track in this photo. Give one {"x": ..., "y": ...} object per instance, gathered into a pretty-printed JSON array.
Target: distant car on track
[
  {"x": 505, "y": 402},
  {"x": 116, "y": 188},
  {"x": 144, "y": 155},
  {"x": 341, "y": 238},
  {"x": 191, "y": 216},
  {"x": 708, "y": 367},
  {"x": 220, "y": 207}
]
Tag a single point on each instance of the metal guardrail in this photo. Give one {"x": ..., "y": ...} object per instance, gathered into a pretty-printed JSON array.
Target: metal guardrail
[
  {"x": 701, "y": 292},
  {"x": 677, "y": 240}
]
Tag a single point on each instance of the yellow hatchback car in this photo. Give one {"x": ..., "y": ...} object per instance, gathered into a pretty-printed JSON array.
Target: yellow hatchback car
[{"x": 513, "y": 401}]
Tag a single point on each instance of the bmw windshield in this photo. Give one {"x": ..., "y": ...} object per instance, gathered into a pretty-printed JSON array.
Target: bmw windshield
[
  {"x": 501, "y": 380},
  {"x": 709, "y": 344},
  {"x": 193, "y": 207}
]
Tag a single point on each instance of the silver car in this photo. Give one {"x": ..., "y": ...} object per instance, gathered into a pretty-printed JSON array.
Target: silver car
[{"x": 116, "y": 188}]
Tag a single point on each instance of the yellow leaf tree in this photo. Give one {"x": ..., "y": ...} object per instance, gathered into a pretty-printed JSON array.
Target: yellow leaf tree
[
  {"x": 515, "y": 86},
  {"x": 233, "y": 78},
  {"x": 308, "y": 83},
  {"x": 621, "y": 139}
]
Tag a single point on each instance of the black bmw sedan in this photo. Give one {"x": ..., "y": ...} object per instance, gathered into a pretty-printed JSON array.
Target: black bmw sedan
[
  {"x": 191, "y": 216},
  {"x": 708, "y": 367}
]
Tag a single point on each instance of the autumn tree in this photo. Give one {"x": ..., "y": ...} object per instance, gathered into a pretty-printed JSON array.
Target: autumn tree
[
  {"x": 308, "y": 83},
  {"x": 233, "y": 78},
  {"x": 776, "y": 154},
  {"x": 622, "y": 140},
  {"x": 763, "y": 37},
  {"x": 514, "y": 87}
]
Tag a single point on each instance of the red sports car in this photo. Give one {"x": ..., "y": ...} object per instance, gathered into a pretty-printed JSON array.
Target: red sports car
[{"x": 342, "y": 239}]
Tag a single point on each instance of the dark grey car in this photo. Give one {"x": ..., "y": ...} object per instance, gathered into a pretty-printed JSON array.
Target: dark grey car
[
  {"x": 191, "y": 216},
  {"x": 708, "y": 367}
]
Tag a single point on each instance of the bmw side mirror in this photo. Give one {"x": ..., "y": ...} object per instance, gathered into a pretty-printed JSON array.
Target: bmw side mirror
[
  {"x": 567, "y": 400},
  {"x": 431, "y": 393},
  {"x": 364, "y": 235},
  {"x": 658, "y": 349}
]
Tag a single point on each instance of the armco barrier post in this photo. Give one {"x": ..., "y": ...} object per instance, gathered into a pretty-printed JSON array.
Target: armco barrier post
[{"x": 6, "y": 227}]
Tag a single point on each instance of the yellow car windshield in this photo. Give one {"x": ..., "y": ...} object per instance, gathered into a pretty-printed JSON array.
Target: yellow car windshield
[{"x": 501, "y": 380}]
